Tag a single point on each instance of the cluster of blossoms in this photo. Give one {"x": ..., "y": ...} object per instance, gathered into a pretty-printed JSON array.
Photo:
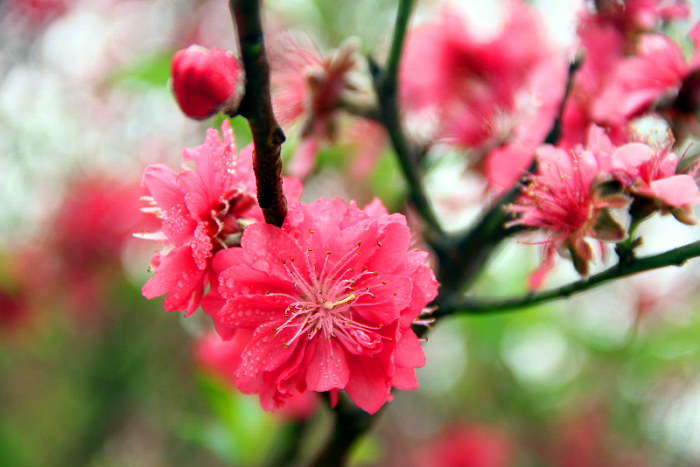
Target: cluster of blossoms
[
  {"x": 324, "y": 303},
  {"x": 572, "y": 193}
]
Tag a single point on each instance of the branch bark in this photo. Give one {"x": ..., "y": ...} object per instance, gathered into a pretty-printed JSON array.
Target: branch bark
[
  {"x": 471, "y": 305},
  {"x": 386, "y": 85},
  {"x": 256, "y": 107}
]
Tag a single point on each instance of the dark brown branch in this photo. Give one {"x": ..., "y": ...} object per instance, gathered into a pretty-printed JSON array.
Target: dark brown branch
[
  {"x": 463, "y": 258},
  {"x": 256, "y": 107},
  {"x": 472, "y": 305}
]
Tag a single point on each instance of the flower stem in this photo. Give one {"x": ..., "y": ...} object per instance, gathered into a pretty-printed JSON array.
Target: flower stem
[
  {"x": 256, "y": 107},
  {"x": 470, "y": 305}
]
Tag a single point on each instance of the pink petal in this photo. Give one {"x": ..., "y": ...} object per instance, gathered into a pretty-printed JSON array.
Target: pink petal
[
  {"x": 178, "y": 276},
  {"x": 327, "y": 368},
  {"x": 677, "y": 191},
  {"x": 409, "y": 352},
  {"x": 178, "y": 225},
  {"x": 630, "y": 156},
  {"x": 159, "y": 179},
  {"x": 265, "y": 351},
  {"x": 251, "y": 311},
  {"x": 304, "y": 158},
  {"x": 367, "y": 386},
  {"x": 405, "y": 378}
]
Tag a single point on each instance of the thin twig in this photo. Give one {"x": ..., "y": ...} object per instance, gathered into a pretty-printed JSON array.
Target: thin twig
[
  {"x": 386, "y": 85},
  {"x": 471, "y": 305},
  {"x": 256, "y": 107}
]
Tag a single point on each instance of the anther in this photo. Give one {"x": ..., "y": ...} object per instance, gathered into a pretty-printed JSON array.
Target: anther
[
  {"x": 309, "y": 249},
  {"x": 395, "y": 294},
  {"x": 359, "y": 243},
  {"x": 311, "y": 231},
  {"x": 379, "y": 243},
  {"x": 384, "y": 282}
]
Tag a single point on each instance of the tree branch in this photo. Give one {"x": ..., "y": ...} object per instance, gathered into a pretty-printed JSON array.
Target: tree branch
[
  {"x": 350, "y": 423},
  {"x": 479, "y": 243},
  {"x": 386, "y": 85},
  {"x": 470, "y": 305},
  {"x": 256, "y": 107}
]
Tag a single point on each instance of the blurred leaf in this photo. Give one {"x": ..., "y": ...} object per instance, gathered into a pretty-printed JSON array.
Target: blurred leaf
[
  {"x": 154, "y": 71},
  {"x": 366, "y": 451},
  {"x": 243, "y": 431},
  {"x": 388, "y": 183}
]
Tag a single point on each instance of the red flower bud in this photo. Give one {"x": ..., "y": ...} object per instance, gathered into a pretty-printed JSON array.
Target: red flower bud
[{"x": 206, "y": 82}]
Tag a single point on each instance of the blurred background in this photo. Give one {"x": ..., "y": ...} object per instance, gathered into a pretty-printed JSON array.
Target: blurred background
[{"x": 93, "y": 374}]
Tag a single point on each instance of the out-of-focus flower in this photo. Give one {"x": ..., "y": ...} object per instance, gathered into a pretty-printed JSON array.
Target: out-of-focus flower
[
  {"x": 367, "y": 139},
  {"x": 603, "y": 46},
  {"x": 563, "y": 199},
  {"x": 222, "y": 358},
  {"x": 331, "y": 297},
  {"x": 471, "y": 85},
  {"x": 206, "y": 82},
  {"x": 309, "y": 88},
  {"x": 37, "y": 12},
  {"x": 203, "y": 211},
  {"x": 87, "y": 236},
  {"x": 631, "y": 17},
  {"x": 14, "y": 311},
  {"x": 658, "y": 73},
  {"x": 468, "y": 446}
]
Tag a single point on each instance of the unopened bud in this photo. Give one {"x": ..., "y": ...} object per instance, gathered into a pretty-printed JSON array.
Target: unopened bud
[{"x": 206, "y": 82}]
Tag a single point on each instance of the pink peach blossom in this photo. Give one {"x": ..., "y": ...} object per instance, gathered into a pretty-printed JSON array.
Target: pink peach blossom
[
  {"x": 638, "y": 82},
  {"x": 203, "y": 211},
  {"x": 331, "y": 297},
  {"x": 562, "y": 201},
  {"x": 471, "y": 85}
]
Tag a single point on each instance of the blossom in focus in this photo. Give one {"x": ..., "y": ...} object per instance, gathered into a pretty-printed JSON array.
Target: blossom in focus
[
  {"x": 206, "y": 82},
  {"x": 308, "y": 89},
  {"x": 468, "y": 446},
  {"x": 569, "y": 201},
  {"x": 330, "y": 297},
  {"x": 648, "y": 172},
  {"x": 221, "y": 358},
  {"x": 203, "y": 211}
]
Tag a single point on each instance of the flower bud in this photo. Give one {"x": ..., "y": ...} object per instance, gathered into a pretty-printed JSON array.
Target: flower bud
[{"x": 206, "y": 82}]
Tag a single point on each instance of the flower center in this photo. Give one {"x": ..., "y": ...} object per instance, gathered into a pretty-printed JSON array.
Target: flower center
[{"x": 325, "y": 303}]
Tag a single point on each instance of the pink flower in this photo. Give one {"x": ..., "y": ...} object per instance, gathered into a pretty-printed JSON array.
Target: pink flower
[
  {"x": 469, "y": 446},
  {"x": 562, "y": 200},
  {"x": 203, "y": 211},
  {"x": 221, "y": 358},
  {"x": 604, "y": 46},
  {"x": 470, "y": 85},
  {"x": 649, "y": 172},
  {"x": 309, "y": 88},
  {"x": 635, "y": 16},
  {"x": 638, "y": 82},
  {"x": 331, "y": 297},
  {"x": 206, "y": 82}
]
